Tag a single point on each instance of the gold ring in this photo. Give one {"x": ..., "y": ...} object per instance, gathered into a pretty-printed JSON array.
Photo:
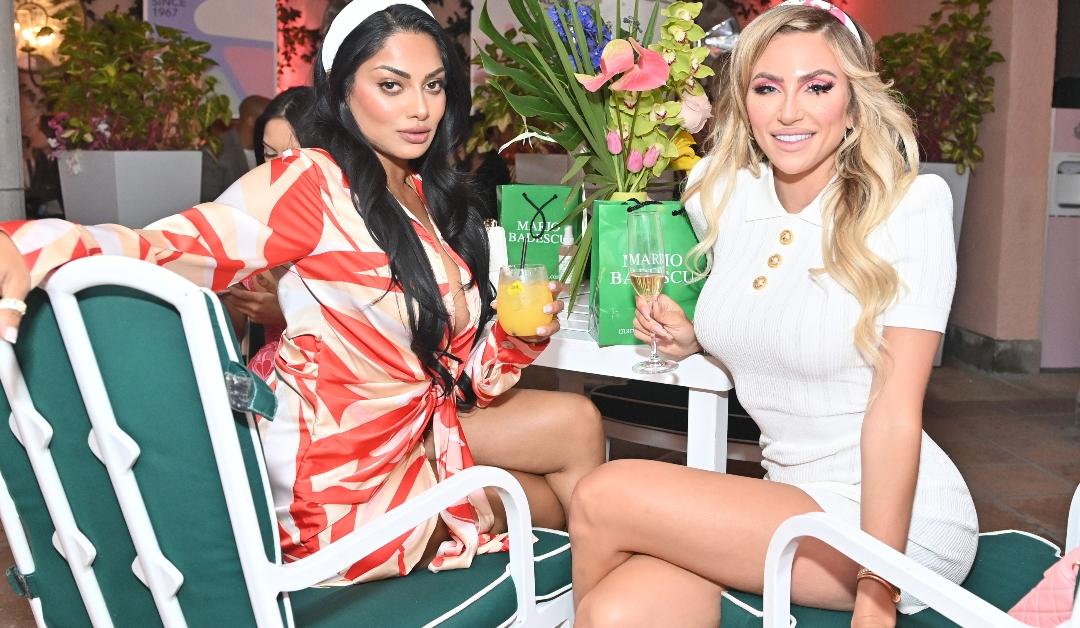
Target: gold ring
[{"x": 16, "y": 305}]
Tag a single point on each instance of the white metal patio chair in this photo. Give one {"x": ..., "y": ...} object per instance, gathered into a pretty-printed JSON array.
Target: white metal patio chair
[
  {"x": 133, "y": 494},
  {"x": 1008, "y": 564}
]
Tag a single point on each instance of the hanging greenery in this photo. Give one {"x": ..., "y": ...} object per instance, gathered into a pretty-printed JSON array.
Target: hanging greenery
[{"x": 295, "y": 39}]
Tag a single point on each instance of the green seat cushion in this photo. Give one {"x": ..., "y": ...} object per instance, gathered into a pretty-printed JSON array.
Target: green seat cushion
[
  {"x": 1007, "y": 565},
  {"x": 422, "y": 596}
]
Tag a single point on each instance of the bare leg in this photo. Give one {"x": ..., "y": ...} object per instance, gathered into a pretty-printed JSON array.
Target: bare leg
[
  {"x": 710, "y": 524},
  {"x": 548, "y": 440},
  {"x": 661, "y": 594}
]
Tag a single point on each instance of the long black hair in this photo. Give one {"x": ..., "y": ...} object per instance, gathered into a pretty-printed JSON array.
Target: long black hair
[
  {"x": 446, "y": 190},
  {"x": 293, "y": 106}
]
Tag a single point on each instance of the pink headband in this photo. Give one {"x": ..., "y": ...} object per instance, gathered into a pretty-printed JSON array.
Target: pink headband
[{"x": 833, "y": 10}]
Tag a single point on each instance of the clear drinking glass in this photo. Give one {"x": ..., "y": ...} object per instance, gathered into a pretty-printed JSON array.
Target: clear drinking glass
[
  {"x": 647, "y": 265},
  {"x": 523, "y": 293}
]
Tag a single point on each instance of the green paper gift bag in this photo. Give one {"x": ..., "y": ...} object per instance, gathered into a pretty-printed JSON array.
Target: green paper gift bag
[
  {"x": 533, "y": 212},
  {"x": 611, "y": 298}
]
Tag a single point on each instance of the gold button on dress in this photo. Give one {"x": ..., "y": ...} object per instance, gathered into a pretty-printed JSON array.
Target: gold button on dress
[
  {"x": 760, "y": 282},
  {"x": 774, "y": 261},
  {"x": 786, "y": 236}
]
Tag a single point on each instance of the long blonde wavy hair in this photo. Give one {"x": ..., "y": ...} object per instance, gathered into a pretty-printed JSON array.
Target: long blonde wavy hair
[{"x": 874, "y": 165}]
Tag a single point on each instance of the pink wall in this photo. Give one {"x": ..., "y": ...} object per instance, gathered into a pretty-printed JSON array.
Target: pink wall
[{"x": 999, "y": 288}]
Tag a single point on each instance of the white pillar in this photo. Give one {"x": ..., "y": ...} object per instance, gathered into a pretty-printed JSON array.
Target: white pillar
[{"x": 12, "y": 200}]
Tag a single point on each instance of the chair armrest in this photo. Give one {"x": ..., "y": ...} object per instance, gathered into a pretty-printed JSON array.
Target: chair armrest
[
  {"x": 342, "y": 553},
  {"x": 952, "y": 601},
  {"x": 1072, "y": 533}
]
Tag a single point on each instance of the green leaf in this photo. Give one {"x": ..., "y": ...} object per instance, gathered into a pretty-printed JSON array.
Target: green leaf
[{"x": 579, "y": 163}]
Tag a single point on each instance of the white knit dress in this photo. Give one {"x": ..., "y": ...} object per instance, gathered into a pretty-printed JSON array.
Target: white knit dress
[{"x": 786, "y": 336}]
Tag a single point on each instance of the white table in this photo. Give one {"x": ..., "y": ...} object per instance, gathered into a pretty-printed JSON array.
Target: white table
[{"x": 574, "y": 352}]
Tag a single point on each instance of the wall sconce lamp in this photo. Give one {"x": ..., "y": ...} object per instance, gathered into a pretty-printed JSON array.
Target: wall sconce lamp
[{"x": 33, "y": 33}]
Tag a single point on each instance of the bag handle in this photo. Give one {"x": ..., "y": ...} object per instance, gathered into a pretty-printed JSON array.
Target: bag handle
[
  {"x": 539, "y": 212},
  {"x": 639, "y": 204}
]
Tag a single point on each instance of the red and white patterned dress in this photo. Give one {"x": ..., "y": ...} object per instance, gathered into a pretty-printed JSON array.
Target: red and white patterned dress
[{"x": 354, "y": 404}]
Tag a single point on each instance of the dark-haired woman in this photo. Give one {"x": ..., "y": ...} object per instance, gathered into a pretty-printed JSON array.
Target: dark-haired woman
[
  {"x": 282, "y": 124},
  {"x": 386, "y": 306}
]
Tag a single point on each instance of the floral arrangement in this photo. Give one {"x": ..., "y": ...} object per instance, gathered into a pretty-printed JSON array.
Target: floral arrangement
[
  {"x": 625, "y": 106},
  {"x": 124, "y": 84}
]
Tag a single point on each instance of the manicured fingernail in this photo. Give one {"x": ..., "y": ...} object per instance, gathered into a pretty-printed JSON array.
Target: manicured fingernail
[
  {"x": 540, "y": 331},
  {"x": 11, "y": 335},
  {"x": 552, "y": 285},
  {"x": 548, "y": 309}
]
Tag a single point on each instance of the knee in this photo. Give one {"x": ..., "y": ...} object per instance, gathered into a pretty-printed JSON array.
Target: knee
[
  {"x": 586, "y": 427},
  {"x": 593, "y": 496},
  {"x": 597, "y": 611}
]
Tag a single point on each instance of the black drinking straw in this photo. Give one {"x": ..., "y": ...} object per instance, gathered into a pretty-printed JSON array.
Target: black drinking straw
[{"x": 532, "y": 223}]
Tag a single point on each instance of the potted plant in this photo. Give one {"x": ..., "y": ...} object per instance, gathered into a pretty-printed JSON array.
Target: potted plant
[
  {"x": 131, "y": 109},
  {"x": 942, "y": 71},
  {"x": 496, "y": 123}
]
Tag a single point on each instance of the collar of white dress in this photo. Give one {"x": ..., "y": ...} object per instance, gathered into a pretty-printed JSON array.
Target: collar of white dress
[{"x": 767, "y": 205}]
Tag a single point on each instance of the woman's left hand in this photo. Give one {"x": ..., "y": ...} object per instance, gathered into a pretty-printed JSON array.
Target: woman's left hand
[{"x": 553, "y": 308}]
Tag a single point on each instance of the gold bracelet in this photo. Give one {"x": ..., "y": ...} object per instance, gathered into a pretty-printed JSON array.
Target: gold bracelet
[{"x": 894, "y": 591}]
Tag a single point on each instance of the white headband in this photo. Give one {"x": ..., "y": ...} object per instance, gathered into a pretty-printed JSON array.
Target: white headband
[
  {"x": 836, "y": 12},
  {"x": 350, "y": 17}
]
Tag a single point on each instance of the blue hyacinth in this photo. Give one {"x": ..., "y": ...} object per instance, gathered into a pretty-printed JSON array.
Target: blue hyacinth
[{"x": 595, "y": 38}]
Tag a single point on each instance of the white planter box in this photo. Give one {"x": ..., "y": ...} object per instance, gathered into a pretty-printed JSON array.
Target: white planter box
[
  {"x": 958, "y": 185},
  {"x": 130, "y": 188}
]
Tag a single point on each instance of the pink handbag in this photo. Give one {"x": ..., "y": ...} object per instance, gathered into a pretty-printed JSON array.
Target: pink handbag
[{"x": 1051, "y": 601}]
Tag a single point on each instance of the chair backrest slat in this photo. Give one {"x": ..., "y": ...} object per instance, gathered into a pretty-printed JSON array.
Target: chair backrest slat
[
  {"x": 150, "y": 403},
  {"x": 41, "y": 378}
]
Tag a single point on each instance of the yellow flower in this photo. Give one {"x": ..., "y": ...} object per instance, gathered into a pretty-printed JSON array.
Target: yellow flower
[{"x": 687, "y": 157}]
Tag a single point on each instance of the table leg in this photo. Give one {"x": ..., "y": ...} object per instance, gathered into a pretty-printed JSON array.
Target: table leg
[{"x": 707, "y": 430}]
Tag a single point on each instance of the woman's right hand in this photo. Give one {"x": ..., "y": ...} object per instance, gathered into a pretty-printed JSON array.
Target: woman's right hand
[
  {"x": 666, "y": 319},
  {"x": 14, "y": 284}
]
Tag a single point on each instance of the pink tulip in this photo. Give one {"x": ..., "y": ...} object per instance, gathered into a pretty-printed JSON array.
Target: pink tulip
[
  {"x": 695, "y": 111},
  {"x": 635, "y": 162},
  {"x": 614, "y": 142},
  {"x": 649, "y": 72},
  {"x": 651, "y": 156}
]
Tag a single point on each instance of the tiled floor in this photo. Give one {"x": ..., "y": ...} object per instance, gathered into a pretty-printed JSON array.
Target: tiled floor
[{"x": 1015, "y": 439}]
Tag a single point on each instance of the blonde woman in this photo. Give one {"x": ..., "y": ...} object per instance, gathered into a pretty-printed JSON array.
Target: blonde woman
[{"x": 831, "y": 274}]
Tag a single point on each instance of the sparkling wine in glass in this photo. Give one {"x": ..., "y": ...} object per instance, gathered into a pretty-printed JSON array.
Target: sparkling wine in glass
[{"x": 647, "y": 265}]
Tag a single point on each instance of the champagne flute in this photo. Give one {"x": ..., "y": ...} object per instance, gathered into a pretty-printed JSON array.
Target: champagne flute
[{"x": 647, "y": 265}]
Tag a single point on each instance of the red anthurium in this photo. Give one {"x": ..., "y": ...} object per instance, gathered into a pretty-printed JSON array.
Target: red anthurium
[
  {"x": 649, "y": 72},
  {"x": 618, "y": 57}
]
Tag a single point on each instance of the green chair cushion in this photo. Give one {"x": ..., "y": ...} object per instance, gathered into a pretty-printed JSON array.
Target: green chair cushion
[
  {"x": 422, "y": 596},
  {"x": 142, "y": 352},
  {"x": 1007, "y": 565}
]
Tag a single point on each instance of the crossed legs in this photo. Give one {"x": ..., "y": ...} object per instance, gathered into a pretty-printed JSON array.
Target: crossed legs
[
  {"x": 547, "y": 440},
  {"x": 655, "y": 544}
]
